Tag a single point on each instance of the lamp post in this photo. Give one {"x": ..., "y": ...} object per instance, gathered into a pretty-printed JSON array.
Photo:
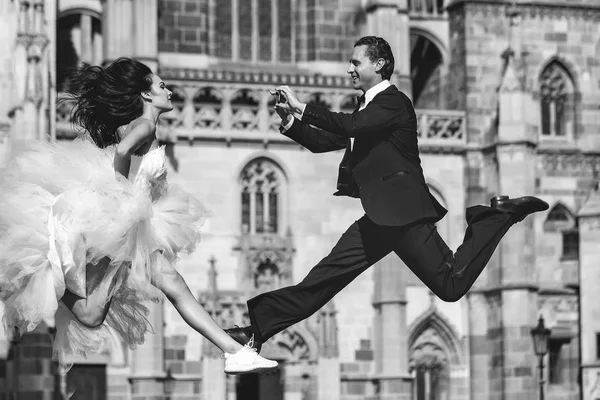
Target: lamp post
[{"x": 540, "y": 335}]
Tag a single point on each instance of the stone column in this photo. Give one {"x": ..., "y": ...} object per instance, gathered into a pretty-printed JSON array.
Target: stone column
[
  {"x": 589, "y": 276},
  {"x": 145, "y": 32},
  {"x": 49, "y": 109},
  {"x": 117, "y": 27},
  {"x": 516, "y": 153},
  {"x": 86, "y": 38},
  {"x": 130, "y": 29},
  {"x": 214, "y": 381},
  {"x": 389, "y": 20},
  {"x": 328, "y": 364},
  {"x": 147, "y": 362},
  {"x": 8, "y": 32},
  {"x": 30, "y": 84},
  {"x": 391, "y": 341}
]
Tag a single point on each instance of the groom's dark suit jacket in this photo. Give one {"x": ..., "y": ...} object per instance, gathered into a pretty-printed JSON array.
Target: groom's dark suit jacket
[{"x": 384, "y": 168}]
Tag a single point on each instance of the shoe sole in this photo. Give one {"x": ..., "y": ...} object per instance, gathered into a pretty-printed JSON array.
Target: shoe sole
[{"x": 251, "y": 369}]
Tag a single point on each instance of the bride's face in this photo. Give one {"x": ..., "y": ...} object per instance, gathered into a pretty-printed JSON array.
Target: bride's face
[{"x": 161, "y": 96}]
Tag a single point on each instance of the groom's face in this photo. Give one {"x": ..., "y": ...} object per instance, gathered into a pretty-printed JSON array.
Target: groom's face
[{"x": 362, "y": 70}]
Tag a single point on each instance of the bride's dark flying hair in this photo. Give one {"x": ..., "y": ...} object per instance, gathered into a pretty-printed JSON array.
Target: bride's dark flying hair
[{"x": 107, "y": 98}]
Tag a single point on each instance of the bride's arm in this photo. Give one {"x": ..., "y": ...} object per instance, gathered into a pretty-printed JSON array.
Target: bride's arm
[{"x": 140, "y": 133}]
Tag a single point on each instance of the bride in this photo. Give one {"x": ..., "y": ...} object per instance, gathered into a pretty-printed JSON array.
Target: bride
[{"x": 83, "y": 243}]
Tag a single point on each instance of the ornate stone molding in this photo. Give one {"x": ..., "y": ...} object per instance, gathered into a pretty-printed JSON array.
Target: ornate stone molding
[
  {"x": 561, "y": 313},
  {"x": 572, "y": 164},
  {"x": 262, "y": 250},
  {"x": 294, "y": 343},
  {"x": 559, "y": 303},
  {"x": 549, "y": 9},
  {"x": 253, "y": 77},
  {"x": 240, "y": 111},
  {"x": 587, "y": 224}
]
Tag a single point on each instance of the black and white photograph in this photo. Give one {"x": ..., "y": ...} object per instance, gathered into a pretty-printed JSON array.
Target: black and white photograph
[{"x": 299, "y": 199}]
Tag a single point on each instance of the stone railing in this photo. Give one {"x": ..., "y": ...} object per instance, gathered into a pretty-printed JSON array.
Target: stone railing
[
  {"x": 229, "y": 106},
  {"x": 441, "y": 127}
]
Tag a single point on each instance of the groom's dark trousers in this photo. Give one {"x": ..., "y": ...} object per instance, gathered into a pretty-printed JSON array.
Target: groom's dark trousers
[{"x": 382, "y": 169}]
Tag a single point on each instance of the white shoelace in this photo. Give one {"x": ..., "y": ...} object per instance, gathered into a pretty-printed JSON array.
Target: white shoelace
[{"x": 249, "y": 346}]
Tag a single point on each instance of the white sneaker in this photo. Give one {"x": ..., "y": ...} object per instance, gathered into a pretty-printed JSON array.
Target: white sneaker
[{"x": 247, "y": 360}]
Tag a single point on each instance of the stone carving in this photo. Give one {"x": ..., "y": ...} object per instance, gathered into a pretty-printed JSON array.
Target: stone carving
[
  {"x": 236, "y": 109},
  {"x": 588, "y": 224},
  {"x": 559, "y": 304},
  {"x": 294, "y": 343},
  {"x": 569, "y": 164},
  {"x": 529, "y": 11},
  {"x": 266, "y": 276},
  {"x": 440, "y": 125}
]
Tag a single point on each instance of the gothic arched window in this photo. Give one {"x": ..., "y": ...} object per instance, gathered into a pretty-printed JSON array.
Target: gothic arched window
[
  {"x": 557, "y": 99},
  {"x": 261, "y": 182}
]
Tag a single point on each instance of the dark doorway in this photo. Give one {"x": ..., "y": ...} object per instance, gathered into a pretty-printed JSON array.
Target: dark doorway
[
  {"x": 88, "y": 382},
  {"x": 260, "y": 387}
]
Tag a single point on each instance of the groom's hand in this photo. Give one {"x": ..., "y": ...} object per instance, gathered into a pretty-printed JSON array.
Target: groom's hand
[
  {"x": 282, "y": 111},
  {"x": 291, "y": 103}
]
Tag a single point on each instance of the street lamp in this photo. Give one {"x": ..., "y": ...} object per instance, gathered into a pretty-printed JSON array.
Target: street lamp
[{"x": 540, "y": 335}]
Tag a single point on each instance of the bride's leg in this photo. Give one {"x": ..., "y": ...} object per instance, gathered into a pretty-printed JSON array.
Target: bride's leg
[
  {"x": 172, "y": 284},
  {"x": 92, "y": 310}
]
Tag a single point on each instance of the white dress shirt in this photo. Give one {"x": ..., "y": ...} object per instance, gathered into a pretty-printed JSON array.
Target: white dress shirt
[{"x": 369, "y": 95}]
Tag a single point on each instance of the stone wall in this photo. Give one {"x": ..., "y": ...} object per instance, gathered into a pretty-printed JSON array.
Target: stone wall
[
  {"x": 332, "y": 27},
  {"x": 183, "y": 26},
  {"x": 479, "y": 33}
]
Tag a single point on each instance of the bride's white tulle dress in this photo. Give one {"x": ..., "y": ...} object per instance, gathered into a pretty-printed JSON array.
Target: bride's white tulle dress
[{"x": 62, "y": 210}]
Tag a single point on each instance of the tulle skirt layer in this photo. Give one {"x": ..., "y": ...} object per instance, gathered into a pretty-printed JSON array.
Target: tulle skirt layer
[{"x": 62, "y": 211}]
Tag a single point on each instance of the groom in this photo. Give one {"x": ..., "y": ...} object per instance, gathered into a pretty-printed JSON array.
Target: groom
[{"x": 381, "y": 166}]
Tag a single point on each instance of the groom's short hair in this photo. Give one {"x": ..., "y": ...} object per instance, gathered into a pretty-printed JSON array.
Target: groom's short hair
[{"x": 377, "y": 48}]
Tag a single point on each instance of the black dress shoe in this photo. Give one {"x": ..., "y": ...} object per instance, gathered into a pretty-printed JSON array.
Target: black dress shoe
[
  {"x": 519, "y": 207},
  {"x": 245, "y": 335}
]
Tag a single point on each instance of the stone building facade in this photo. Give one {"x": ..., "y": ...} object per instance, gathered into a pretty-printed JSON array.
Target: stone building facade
[{"x": 507, "y": 94}]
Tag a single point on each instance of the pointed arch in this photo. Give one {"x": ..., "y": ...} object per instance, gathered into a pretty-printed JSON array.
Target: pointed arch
[
  {"x": 568, "y": 66},
  {"x": 558, "y": 96},
  {"x": 292, "y": 345},
  {"x": 432, "y": 320},
  {"x": 559, "y": 218},
  {"x": 428, "y": 62},
  {"x": 434, "y": 351},
  {"x": 263, "y": 188}
]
